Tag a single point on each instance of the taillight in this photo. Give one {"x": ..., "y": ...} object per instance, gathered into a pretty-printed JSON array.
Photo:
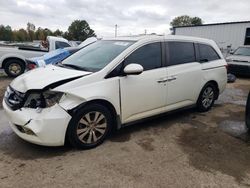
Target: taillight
[
  {"x": 226, "y": 66},
  {"x": 31, "y": 66}
]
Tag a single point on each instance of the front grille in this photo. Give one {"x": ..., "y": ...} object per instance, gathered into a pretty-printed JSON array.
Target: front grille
[{"x": 13, "y": 98}]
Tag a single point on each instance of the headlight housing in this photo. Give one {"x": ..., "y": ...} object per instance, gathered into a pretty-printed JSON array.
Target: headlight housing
[{"x": 42, "y": 100}]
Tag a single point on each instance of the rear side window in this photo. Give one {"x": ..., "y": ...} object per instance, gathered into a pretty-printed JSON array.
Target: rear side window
[
  {"x": 181, "y": 52},
  {"x": 148, "y": 56},
  {"x": 61, "y": 44},
  {"x": 207, "y": 53}
]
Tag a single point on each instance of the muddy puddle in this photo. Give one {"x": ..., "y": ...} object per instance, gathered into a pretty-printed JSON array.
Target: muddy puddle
[{"x": 236, "y": 129}]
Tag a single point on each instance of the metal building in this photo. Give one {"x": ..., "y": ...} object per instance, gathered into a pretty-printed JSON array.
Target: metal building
[{"x": 227, "y": 35}]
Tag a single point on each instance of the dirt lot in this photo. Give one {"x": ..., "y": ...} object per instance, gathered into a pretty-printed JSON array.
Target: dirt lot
[{"x": 184, "y": 149}]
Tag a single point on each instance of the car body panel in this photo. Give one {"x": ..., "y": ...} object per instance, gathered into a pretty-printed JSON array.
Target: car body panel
[
  {"x": 43, "y": 123},
  {"x": 153, "y": 94}
]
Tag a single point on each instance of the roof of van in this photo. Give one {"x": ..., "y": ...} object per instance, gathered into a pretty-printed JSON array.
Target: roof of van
[{"x": 161, "y": 37}]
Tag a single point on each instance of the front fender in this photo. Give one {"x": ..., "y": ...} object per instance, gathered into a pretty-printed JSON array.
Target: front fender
[{"x": 107, "y": 90}]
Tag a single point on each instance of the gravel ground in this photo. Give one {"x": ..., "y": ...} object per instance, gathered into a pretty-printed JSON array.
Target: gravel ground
[{"x": 183, "y": 149}]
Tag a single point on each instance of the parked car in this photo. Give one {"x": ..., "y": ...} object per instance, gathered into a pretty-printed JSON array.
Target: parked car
[
  {"x": 56, "y": 56},
  {"x": 12, "y": 59},
  {"x": 247, "y": 115},
  {"x": 111, "y": 83},
  {"x": 239, "y": 61}
]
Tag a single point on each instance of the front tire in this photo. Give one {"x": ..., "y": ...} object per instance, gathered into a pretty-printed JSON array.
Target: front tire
[
  {"x": 14, "y": 67},
  {"x": 206, "y": 98},
  {"x": 248, "y": 113},
  {"x": 89, "y": 126}
]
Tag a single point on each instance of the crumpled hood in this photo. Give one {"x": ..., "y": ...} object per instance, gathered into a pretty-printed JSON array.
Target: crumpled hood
[{"x": 41, "y": 77}]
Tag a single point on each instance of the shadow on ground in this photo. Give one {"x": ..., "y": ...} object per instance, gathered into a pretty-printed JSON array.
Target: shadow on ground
[{"x": 216, "y": 149}]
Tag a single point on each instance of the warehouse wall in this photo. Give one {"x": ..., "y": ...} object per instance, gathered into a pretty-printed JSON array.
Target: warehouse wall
[{"x": 224, "y": 35}]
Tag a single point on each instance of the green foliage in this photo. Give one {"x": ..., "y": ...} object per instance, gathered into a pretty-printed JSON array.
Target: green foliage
[
  {"x": 5, "y": 33},
  {"x": 186, "y": 20},
  {"x": 58, "y": 33},
  {"x": 78, "y": 30}
]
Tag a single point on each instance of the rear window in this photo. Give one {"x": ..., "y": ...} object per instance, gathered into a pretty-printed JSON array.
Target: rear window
[
  {"x": 207, "y": 53},
  {"x": 181, "y": 52},
  {"x": 61, "y": 44}
]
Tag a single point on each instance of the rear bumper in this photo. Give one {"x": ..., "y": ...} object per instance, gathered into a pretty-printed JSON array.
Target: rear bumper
[{"x": 47, "y": 128}]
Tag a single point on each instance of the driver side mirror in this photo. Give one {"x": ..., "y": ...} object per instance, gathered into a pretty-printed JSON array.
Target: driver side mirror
[{"x": 133, "y": 69}]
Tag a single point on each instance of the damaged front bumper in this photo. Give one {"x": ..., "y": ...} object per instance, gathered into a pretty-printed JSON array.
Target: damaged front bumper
[{"x": 46, "y": 127}]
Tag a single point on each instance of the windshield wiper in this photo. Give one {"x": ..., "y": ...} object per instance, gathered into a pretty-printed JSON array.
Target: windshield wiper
[{"x": 72, "y": 66}]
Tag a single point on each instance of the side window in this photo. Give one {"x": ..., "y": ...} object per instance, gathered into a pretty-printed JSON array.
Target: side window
[
  {"x": 148, "y": 56},
  {"x": 61, "y": 44},
  {"x": 181, "y": 52},
  {"x": 207, "y": 53}
]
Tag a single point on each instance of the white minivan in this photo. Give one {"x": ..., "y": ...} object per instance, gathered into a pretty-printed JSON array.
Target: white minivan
[{"x": 111, "y": 83}]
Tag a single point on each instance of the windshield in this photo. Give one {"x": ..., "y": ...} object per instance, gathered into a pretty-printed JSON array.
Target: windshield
[
  {"x": 242, "y": 51},
  {"x": 97, "y": 55}
]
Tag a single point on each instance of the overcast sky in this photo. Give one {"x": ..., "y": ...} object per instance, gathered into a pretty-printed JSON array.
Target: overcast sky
[{"x": 131, "y": 16}]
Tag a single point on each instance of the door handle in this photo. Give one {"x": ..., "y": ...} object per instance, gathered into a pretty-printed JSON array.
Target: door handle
[
  {"x": 162, "y": 80},
  {"x": 172, "y": 78}
]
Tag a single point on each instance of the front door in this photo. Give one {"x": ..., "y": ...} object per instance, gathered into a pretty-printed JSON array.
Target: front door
[{"x": 145, "y": 94}]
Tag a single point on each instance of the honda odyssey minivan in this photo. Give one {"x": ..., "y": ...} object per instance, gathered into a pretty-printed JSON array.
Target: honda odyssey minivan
[{"x": 111, "y": 83}]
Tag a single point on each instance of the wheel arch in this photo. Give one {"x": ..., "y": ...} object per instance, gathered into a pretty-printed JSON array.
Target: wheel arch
[
  {"x": 216, "y": 86},
  {"x": 14, "y": 58},
  {"x": 107, "y": 104}
]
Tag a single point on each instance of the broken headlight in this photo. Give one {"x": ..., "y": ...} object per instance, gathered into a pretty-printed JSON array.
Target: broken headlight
[{"x": 43, "y": 100}]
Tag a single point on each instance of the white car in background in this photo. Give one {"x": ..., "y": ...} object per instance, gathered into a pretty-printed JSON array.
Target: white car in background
[
  {"x": 12, "y": 58},
  {"x": 111, "y": 83}
]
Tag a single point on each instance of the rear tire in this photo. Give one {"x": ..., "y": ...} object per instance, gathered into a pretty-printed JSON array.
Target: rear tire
[
  {"x": 207, "y": 97},
  {"x": 14, "y": 67},
  {"x": 248, "y": 113},
  {"x": 89, "y": 126}
]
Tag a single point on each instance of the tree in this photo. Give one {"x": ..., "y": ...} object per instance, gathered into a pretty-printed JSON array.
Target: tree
[
  {"x": 186, "y": 20},
  {"x": 58, "y": 33},
  {"x": 39, "y": 34},
  {"x": 79, "y": 30},
  {"x": 20, "y": 35},
  {"x": 196, "y": 21},
  {"x": 31, "y": 31},
  {"x": 5, "y": 33}
]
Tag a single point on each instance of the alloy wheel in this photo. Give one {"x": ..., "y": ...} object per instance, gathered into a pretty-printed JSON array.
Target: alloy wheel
[
  {"x": 15, "y": 68},
  {"x": 207, "y": 97},
  {"x": 91, "y": 127}
]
